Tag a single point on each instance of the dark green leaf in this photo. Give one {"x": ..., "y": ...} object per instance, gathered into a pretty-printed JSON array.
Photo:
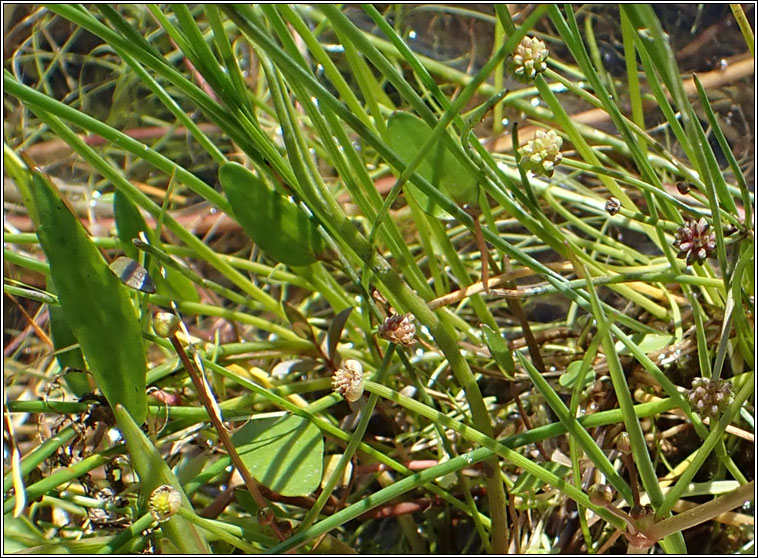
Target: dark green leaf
[
  {"x": 95, "y": 303},
  {"x": 407, "y": 135},
  {"x": 68, "y": 352},
  {"x": 299, "y": 323},
  {"x": 278, "y": 226},
  {"x": 285, "y": 454},
  {"x": 500, "y": 351},
  {"x": 335, "y": 331}
]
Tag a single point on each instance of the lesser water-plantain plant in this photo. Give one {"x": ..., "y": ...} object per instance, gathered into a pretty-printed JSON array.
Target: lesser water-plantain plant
[{"x": 302, "y": 185}]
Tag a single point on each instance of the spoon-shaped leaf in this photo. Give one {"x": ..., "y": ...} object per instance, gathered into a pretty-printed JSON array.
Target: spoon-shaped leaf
[
  {"x": 95, "y": 303},
  {"x": 285, "y": 453},
  {"x": 407, "y": 135},
  {"x": 278, "y": 226}
]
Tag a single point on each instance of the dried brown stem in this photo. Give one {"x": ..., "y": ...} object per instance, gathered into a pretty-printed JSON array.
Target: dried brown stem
[{"x": 223, "y": 434}]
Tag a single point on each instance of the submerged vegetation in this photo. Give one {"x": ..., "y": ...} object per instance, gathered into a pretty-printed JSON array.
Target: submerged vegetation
[{"x": 397, "y": 279}]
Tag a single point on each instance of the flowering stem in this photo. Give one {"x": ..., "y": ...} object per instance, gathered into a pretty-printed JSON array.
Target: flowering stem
[
  {"x": 701, "y": 514},
  {"x": 223, "y": 434}
]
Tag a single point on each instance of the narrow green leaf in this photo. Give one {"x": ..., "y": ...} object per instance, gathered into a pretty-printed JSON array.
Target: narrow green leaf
[
  {"x": 285, "y": 454},
  {"x": 576, "y": 430},
  {"x": 500, "y": 351},
  {"x": 95, "y": 303},
  {"x": 278, "y": 226}
]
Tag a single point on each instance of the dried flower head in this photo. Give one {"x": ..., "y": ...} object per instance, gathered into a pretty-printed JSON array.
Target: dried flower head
[
  {"x": 695, "y": 241},
  {"x": 529, "y": 58},
  {"x": 710, "y": 398},
  {"x": 348, "y": 380},
  {"x": 542, "y": 154},
  {"x": 399, "y": 329},
  {"x": 683, "y": 187},
  {"x": 612, "y": 206},
  {"x": 164, "y": 502},
  {"x": 623, "y": 443}
]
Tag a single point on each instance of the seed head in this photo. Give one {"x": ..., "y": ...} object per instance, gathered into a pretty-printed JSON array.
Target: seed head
[
  {"x": 623, "y": 443},
  {"x": 612, "y": 206},
  {"x": 710, "y": 398},
  {"x": 399, "y": 329},
  {"x": 683, "y": 187},
  {"x": 542, "y": 154},
  {"x": 164, "y": 502},
  {"x": 529, "y": 58},
  {"x": 348, "y": 380},
  {"x": 695, "y": 241}
]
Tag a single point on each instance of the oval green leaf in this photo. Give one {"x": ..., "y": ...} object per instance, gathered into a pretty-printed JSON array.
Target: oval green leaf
[
  {"x": 284, "y": 453},
  {"x": 568, "y": 378},
  {"x": 407, "y": 134},
  {"x": 279, "y": 227},
  {"x": 95, "y": 303}
]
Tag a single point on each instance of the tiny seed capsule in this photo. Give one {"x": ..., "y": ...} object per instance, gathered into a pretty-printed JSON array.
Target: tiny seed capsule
[
  {"x": 165, "y": 324},
  {"x": 265, "y": 516},
  {"x": 612, "y": 206},
  {"x": 623, "y": 443},
  {"x": 600, "y": 494},
  {"x": 683, "y": 187}
]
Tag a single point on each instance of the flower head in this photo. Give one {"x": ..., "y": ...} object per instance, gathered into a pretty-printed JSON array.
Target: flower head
[
  {"x": 542, "y": 154},
  {"x": 164, "y": 502},
  {"x": 710, "y": 398},
  {"x": 612, "y": 206},
  {"x": 165, "y": 324},
  {"x": 348, "y": 380},
  {"x": 695, "y": 241},
  {"x": 529, "y": 58},
  {"x": 399, "y": 329}
]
